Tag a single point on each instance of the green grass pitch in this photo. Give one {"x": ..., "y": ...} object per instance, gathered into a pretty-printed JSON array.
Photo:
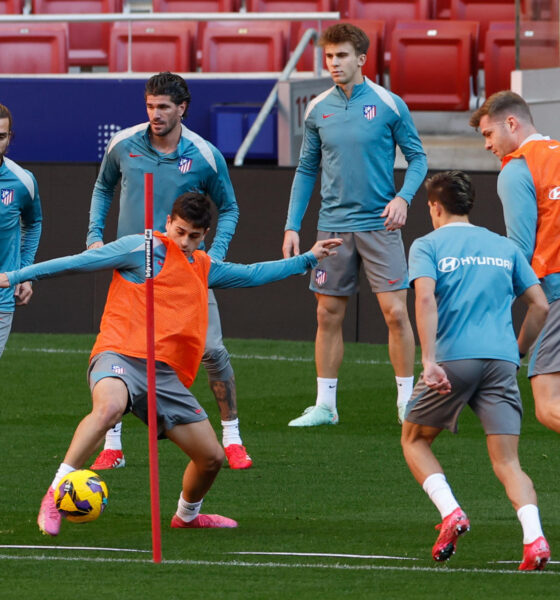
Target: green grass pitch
[{"x": 329, "y": 512}]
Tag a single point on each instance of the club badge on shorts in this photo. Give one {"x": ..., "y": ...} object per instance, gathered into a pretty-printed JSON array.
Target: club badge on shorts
[
  {"x": 369, "y": 111},
  {"x": 117, "y": 369},
  {"x": 185, "y": 164},
  {"x": 6, "y": 196},
  {"x": 320, "y": 277}
]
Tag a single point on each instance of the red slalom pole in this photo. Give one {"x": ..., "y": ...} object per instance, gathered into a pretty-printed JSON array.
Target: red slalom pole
[{"x": 151, "y": 364}]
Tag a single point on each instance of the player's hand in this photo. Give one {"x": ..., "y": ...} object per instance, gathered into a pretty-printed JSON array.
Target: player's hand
[
  {"x": 4, "y": 283},
  {"x": 324, "y": 248},
  {"x": 290, "y": 247},
  {"x": 95, "y": 245},
  {"x": 395, "y": 212},
  {"x": 23, "y": 293},
  {"x": 436, "y": 378}
]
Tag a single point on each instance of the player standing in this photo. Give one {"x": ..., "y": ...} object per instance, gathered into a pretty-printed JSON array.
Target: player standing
[
  {"x": 352, "y": 131},
  {"x": 117, "y": 371},
  {"x": 20, "y": 226},
  {"x": 470, "y": 356},
  {"x": 529, "y": 189},
  {"x": 181, "y": 161}
]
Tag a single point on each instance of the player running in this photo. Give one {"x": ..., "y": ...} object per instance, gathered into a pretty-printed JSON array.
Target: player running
[
  {"x": 465, "y": 280},
  {"x": 117, "y": 370}
]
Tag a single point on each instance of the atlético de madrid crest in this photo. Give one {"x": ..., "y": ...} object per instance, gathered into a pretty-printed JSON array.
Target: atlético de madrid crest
[
  {"x": 320, "y": 277},
  {"x": 184, "y": 164},
  {"x": 369, "y": 111},
  {"x": 6, "y": 196}
]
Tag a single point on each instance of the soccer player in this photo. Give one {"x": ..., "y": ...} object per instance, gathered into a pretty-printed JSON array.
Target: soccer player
[
  {"x": 529, "y": 189},
  {"x": 20, "y": 226},
  {"x": 181, "y": 161},
  {"x": 351, "y": 131},
  {"x": 465, "y": 279},
  {"x": 117, "y": 371}
]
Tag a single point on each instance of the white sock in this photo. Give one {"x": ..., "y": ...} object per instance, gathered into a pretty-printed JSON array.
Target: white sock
[
  {"x": 187, "y": 511},
  {"x": 113, "y": 438},
  {"x": 528, "y": 516},
  {"x": 230, "y": 433},
  {"x": 440, "y": 494},
  {"x": 63, "y": 470},
  {"x": 405, "y": 385},
  {"x": 326, "y": 392}
]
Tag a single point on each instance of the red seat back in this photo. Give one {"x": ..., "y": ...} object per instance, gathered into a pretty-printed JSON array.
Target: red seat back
[
  {"x": 33, "y": 48},
  {"x": 432, "y": 64},
  {"x": 156, "y": 46},
  {"x": 89, "y": 42}
]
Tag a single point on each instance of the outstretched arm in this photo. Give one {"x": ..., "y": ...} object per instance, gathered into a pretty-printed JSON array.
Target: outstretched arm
[{"x": 227, "y": 275}]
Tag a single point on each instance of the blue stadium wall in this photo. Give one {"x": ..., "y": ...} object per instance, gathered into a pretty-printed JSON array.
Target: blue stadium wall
[{"x": 58, "y": 138}]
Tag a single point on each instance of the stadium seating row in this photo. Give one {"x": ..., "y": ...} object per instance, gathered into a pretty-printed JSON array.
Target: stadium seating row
[{"x": 434, "y": 63}]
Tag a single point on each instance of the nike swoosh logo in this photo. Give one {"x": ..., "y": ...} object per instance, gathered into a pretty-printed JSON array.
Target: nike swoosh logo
[
  {"x": 554, "y": 147},
  {"x": 327, "y": 116},
  {"x": 134, "y": 155},
  {"x": 391, "y": 281}
]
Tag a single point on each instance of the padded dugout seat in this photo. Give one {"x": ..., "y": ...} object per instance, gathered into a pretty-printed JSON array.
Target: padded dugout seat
[
  {"x": 156, "y": 46},
  {"x": 375, "y": 31},
  {"x": 539, "y": 48},
  {"x": 88, "y": 42},
  {"x": 244, "y": 46},
  {"x": 433, "y": 65},
  {"x": 289, "y": 6},
  {"x": 34, "y": 48},
  {"x": 11, "y": 7}
]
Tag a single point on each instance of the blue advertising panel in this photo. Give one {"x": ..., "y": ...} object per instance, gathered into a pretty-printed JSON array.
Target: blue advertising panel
[{"x": 71, "y": 119}]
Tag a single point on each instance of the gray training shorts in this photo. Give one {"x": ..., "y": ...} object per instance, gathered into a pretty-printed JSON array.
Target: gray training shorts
[
  {"x": 545, "y": 356},
  {"x": 5, "y": 328},
  {"x": 175, "y": 404},
  {"x": 489, "y": 387},
  {"x": 382, "y": 254}
]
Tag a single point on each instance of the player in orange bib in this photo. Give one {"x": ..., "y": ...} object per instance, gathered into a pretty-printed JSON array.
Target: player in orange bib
[
  {"x": 529, "y": 188},
  {"x": 117, "y": 370}
]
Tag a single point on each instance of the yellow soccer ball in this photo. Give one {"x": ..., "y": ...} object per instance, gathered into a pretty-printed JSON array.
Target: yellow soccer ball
[{"x": 81, "y": 496}]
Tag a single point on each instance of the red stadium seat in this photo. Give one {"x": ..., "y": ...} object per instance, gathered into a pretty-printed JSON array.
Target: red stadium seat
[
  {"x": 11, "y": 7},
  {"x": 89, "y": 42},
  {"x": 433, "y": 64},
  {"x": 483, "y": 11},
  {"x": 289, "y": 5},
  {"x": 441, "y": 9},
  {"x": 244, "y": 46},
  {"x": 389, "y": 11},
  {"x": 195, "y": 6},
  {"x": 375, "y": 31},
  {"x": 538, "y": 49},
  {"x": 34, "y": 48},
  {"x": 156, "y": 46}
]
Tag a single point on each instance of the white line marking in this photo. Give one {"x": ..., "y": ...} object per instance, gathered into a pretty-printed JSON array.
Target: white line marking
[
  {"x": 267, "y": 565},
  {"x": 8, "y": 546},
  {"x": 273, "y": 357},
  {"x": 326, "y": 554}
]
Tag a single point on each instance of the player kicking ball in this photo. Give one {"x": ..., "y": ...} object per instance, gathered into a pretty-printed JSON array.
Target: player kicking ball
[
  {"x": 465, "y": 280},
  {"x": 117, "y": 369}
]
